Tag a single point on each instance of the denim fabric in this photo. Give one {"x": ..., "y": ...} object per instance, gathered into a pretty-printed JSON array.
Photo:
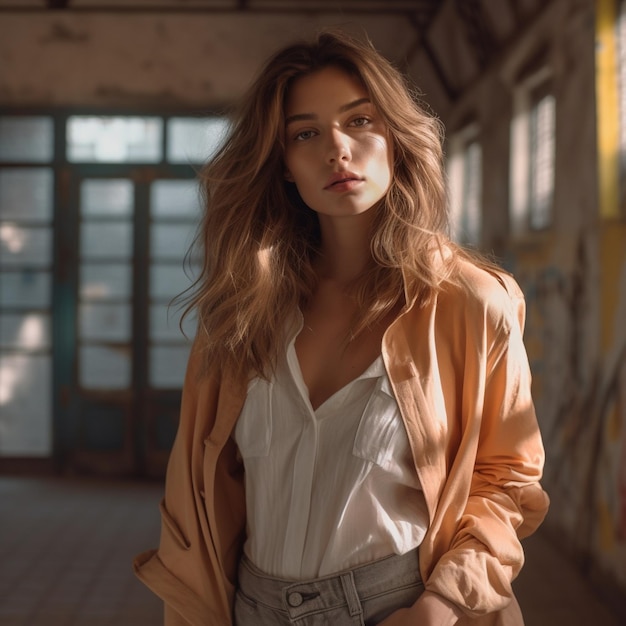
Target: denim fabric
[{"x": 361, "y": 596}]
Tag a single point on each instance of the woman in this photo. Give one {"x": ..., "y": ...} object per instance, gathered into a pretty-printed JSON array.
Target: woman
[{"x": 357, "y": 442}]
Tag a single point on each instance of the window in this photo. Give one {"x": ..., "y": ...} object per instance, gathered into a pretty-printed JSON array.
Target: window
[
  {"x": 26, "y": 139},
  {"x": 541, "y": 179},
  {"x": 26, "y": 234},
  {"x": 133, "y": 139},
  {"x": 465, "y": 175},
  {"x": 174, "y": 212},
  {"x": 533, "y": 133},
  {"x": 193, "y": 140},
  {"x": 121, "y": 237},
  {"x": 114, "y": 139},
  {"x": 105, "y": 283}
]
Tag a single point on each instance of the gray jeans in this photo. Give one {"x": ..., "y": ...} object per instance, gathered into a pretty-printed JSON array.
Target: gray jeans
[{"x": 364, "y": 595}]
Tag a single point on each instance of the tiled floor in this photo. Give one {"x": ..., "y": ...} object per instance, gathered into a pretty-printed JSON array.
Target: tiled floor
[{"x": 66, "y": 547}]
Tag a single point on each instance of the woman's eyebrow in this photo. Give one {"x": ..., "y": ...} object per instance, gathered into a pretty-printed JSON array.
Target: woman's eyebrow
[{"x": 312, "y": 116}]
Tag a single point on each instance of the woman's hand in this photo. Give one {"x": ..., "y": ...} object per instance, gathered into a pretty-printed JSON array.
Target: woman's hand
[{"x": 431, "y": 609}]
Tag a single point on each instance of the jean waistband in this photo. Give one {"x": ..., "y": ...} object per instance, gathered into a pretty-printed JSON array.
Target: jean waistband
[{"x": 366, "y": 580}]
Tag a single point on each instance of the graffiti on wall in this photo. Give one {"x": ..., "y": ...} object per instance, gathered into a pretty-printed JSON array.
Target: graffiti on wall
[{"x": 580, "y": 392}]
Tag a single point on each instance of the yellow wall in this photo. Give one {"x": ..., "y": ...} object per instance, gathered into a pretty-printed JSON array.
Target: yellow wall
[{"x": 613, "y": 234}]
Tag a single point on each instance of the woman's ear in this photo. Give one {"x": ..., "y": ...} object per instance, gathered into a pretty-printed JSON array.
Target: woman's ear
[{"x": 288, "y": 176}]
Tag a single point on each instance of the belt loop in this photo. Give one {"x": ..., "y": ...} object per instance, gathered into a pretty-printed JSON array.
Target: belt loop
[{"x": 349, "y": 590}]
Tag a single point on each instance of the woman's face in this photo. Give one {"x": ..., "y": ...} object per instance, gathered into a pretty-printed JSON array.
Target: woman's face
[{"x": 337, "y": 148}]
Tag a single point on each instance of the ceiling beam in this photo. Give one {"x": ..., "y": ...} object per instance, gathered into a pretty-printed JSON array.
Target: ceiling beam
[
  {"x": 478, "y": 30},
  {"x": 515, "y": 10},
  {"x": 422, "y": 42}
]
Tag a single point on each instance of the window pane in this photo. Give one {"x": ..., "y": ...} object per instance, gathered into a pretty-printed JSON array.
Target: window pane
[
  {"x": 175, "y": 199},
  {"x": 105, "y": 322},
  {"x": 194, "y": 140},
  {"x": 26, "y": 194},
  {"x": 167, "y": 280},
  {"x": 25, "y": 289},
  {"x": 104, "y": 367},
  {"x": 471, "y": 211},
  {"x": 167, "y": 366},
  {"x": 26, "y": 139},
  {"x": 106, "y": 240},
  {"x": 105, "y": 282},
  {"x": 171, "y": 241},
  {"x": 25, "y": 416},
  {"x": 164, "y": 323},
  {"x": 106, "y": 198},
  {"x": 29, "y": 331},
  {"x": 114, "y": 139},
  {"x": 25, "y": 246},
  {"x": 542, "y": 162}
]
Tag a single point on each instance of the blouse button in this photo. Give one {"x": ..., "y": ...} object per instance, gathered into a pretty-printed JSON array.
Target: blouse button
[{"x": 295, "y": 599}]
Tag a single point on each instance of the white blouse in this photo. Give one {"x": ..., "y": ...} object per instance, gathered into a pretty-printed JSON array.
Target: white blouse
[{"x": 331, "y": 488}]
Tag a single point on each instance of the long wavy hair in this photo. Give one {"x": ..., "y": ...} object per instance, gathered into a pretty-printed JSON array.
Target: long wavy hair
[{"x": 259, "y": 239}]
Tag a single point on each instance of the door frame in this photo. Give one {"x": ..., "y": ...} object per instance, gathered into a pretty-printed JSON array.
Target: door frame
[{"x": 146, "y": 416}]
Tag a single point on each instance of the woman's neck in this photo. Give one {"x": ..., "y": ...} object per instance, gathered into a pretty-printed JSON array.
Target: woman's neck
[{"x": 345, "y": 249}]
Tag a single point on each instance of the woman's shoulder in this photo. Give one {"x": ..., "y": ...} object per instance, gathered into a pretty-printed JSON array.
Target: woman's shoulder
[
  {"x": 483, "y": 289},
  {"x": 485, "y": 280}
]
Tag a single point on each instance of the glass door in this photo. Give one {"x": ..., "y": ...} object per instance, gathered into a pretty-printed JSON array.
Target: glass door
[
  {"x": 106, "y": 294},
  {"x": 130, "y": 355}
]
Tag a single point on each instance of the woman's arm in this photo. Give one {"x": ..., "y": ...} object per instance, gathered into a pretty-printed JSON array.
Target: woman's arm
[{"x": 505, "y": 501}]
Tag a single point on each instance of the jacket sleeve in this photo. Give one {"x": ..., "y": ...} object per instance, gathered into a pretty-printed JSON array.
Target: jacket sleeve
[
  {"x": 186, "y": 570},
  {"x": 504, "y": 501}
]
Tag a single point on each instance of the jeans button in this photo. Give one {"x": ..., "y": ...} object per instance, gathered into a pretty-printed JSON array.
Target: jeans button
[{"x": 295, "y": 599}]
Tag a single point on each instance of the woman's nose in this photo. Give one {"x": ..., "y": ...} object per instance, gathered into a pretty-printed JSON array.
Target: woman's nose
[{"x": 339, "y": 147}]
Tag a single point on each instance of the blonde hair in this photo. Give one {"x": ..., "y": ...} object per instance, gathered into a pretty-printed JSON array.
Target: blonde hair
[{"x": 259, "y": 238}]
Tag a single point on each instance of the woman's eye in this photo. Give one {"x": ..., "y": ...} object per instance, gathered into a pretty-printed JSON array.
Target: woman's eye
[
  {"x": 361, "y": 121},
  {"x": 304, "y": 135}
]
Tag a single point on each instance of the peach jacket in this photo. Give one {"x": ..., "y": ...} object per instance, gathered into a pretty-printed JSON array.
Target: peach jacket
[{"x": 461, "y": 378}]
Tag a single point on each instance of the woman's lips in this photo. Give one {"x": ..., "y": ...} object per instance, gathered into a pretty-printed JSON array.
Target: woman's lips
[
  {"x": 344, "y": 185},
  {"x": 343, "y": 181}
]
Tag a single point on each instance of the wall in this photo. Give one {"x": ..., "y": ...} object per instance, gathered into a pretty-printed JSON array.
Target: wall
[{"x": 176, "y": 60}]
